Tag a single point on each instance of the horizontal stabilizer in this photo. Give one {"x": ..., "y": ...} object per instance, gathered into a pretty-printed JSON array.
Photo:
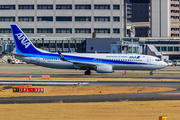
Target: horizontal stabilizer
[{"x": 17, "y": 54}]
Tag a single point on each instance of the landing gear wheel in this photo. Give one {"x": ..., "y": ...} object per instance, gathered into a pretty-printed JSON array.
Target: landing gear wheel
[
  {"x": 88, "y": 72},
  {"x": 151, "y": 73}
]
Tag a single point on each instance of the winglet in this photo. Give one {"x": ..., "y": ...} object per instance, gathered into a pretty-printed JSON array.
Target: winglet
[
  {"x": 61, "y": 56},
  {"x": 69, "y": 50}
]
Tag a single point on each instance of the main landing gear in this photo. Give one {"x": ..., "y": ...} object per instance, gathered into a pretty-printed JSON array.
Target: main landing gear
[
  {"x": 151, "y": 73},
  {"x": 87, "y": 72}
]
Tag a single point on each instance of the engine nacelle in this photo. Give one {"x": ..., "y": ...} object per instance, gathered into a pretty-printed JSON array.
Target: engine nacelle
[{"x": 104, "y": 69}]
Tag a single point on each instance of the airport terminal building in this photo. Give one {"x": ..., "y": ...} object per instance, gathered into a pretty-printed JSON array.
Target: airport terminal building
[
  {"x": 62, "y": 24},
  {"x": 63, "y": 18}
]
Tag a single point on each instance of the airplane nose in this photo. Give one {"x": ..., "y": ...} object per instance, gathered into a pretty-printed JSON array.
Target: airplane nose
[{"x": 164, "y": 64}]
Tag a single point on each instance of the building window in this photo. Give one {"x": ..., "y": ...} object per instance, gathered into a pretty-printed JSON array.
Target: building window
[
  {"x": 129, "y": 16},
  {"x": 116, "y": 30},
  {"x": 129, "y": 20},
  {"x": 172, "y": 29},
  {"x": 101, "y": 30},
  {"x": 101, "y": 18},
  {"x": 5, "y": 30},
  {"x": 129, "y": 12},
  {"x": 44, "y": 18},
  {"x": 28, "y": 30},
  {"x": 64, "y": 7},
  {"x": 26, "y": 7},
  {"x": 163, "y": 48},
  {"x": 64, "y": 18},
  {"x": 7, "y": 7},
  {"x": 116, "y": 19},
  {"x": 83, "y": 7},
  {"x": 116, "y": 7},
  {"x": 170, "y": 48},
  {"x": 82, "y": 18},
  {"x": 158, "y": 48},
  {"x": 26, "y": 19},
  {"x": 45, "y": 7},
  {"x": 44, "y": 30},
  {"x": 107, "y": 7},
  {"x": 176, "y": 48},
  {"x": 63, "y": 30},
  {"x": 82, "y": 30},
  {"x": 7, "y": 19}
]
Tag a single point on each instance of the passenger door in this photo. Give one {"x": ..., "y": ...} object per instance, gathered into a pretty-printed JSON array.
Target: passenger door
[
  {"x": 37, "y": 59},
  {"x": 148, "y": 60}
]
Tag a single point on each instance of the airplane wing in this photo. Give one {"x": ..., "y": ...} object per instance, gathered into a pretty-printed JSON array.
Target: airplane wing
[
  {"x": 21, "y": 55},
  {"x": 77, "y": 63}
]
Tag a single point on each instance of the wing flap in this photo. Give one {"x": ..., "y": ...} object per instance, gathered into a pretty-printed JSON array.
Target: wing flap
[{"x": 77, "y": 63}]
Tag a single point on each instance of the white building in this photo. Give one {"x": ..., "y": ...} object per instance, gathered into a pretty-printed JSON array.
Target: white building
[{"x": 63, "y": 18}]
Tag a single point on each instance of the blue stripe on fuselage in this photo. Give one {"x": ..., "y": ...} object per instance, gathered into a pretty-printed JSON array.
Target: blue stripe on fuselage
[{"x": 84, "y": 59}]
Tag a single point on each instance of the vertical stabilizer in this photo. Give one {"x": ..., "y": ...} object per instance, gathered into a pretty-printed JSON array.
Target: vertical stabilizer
[{"x": 22, "y": 43}]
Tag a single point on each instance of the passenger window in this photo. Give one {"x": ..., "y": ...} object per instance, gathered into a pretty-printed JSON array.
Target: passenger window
[{"x": 157, "y": 59}]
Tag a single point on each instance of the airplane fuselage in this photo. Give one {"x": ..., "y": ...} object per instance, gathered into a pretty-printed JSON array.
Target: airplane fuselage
[{"x": 118, "y": 61}]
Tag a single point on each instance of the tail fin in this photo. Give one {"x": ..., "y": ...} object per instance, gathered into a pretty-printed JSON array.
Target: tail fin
[{"x": 22, "y": 43}]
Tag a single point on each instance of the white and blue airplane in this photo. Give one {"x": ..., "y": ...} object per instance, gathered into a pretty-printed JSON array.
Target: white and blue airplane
[{"x": 101, "y": 63}]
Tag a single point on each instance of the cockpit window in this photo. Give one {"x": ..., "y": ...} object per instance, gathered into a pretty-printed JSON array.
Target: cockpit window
[{"x": 157, "y": 60}]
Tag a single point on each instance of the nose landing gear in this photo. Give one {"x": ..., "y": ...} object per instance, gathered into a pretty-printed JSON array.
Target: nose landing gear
[{"x": 151, "y": 73}]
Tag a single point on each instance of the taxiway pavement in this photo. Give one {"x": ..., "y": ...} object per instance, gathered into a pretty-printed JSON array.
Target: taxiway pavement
[
  {"x": 171, "y": 95},
  {"x": 166, "y": 73},
  {"x": 69, "y": 75}
]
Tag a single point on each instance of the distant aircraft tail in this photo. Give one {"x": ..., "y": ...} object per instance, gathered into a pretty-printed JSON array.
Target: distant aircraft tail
[
  {"x": 69, "y": 50},
  {"x": 22, "y": 43}
]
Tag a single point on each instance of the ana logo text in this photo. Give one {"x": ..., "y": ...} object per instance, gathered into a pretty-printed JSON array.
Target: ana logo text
[
  {"x": 134, "y": 57},
  {"x": 23, "y": 39}
]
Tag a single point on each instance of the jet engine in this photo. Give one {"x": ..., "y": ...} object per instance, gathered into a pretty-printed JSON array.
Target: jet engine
[{"x": 104, "y": 69}]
